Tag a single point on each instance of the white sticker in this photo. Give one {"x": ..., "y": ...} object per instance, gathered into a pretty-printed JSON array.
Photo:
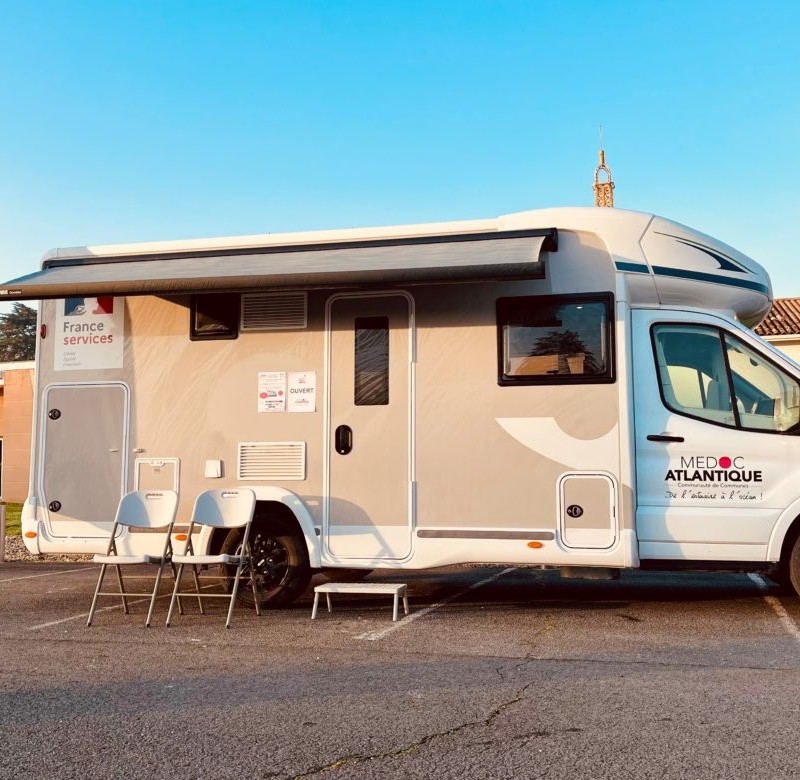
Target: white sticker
[
  {"x": 271, "y": 391},
  {"x": 89, "y": 333},
  {"x": 302, "y": 391}
]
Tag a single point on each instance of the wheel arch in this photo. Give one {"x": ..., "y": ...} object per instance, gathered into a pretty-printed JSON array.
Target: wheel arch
[
  {"x": 292, "y": 506},
  {"x": 784, "y": 534},
  {"x": 789, "y": 539}
]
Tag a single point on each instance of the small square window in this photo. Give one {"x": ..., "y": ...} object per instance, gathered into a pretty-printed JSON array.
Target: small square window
[{"x": 214, "y": 316}]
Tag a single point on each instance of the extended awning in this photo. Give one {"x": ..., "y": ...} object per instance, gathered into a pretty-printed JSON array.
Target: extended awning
[{"x": 466, "y": 257}]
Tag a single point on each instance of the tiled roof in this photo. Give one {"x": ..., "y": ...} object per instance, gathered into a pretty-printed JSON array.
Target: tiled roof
[{"x": 783, "y": 319}]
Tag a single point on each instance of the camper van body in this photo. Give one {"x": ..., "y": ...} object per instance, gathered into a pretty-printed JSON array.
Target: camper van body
[{"x": 565, "y": 387}]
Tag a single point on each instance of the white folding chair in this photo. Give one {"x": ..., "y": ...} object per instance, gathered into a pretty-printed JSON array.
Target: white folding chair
[
  {"x": 231, "y": 508},
  {"x": 146, "y": 509}
]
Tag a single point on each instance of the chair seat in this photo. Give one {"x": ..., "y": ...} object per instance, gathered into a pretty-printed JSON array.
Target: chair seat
[
  {"x": 204, "y": 560},
  {"x": 121, "y": 560}
]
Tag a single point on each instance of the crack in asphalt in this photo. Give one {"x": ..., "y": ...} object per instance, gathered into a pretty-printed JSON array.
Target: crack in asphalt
[{"x": 415, "y": 746}]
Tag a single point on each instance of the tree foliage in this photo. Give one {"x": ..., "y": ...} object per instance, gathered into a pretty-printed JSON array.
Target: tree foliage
[
  {"x": 563, "y": 343},
  {"x": 18, "y": 333}
]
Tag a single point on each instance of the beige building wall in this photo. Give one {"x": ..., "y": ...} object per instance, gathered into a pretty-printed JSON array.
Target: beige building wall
[
  {"x": 16, "y": 419},
  {"x": 790, "y": 345}
]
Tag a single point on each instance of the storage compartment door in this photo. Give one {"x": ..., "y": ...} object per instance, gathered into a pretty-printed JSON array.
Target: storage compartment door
[{"x": 588, "y": 511}]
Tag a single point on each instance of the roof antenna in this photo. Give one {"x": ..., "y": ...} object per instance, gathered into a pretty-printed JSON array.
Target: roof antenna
[{"x": 603, "y": 190}]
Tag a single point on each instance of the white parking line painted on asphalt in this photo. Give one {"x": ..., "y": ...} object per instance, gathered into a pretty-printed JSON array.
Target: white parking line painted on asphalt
[
  {"x": 47, "y": 574},
  {"x": 777, "y": 607},
  {"x": 106, "y": 609},
  {"x": 372, "y": 636},
  {"x": 85, "y": 615}
]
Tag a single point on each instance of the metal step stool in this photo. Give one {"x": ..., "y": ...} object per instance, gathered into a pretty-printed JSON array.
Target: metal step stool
[{"x": 395, "y": 589}]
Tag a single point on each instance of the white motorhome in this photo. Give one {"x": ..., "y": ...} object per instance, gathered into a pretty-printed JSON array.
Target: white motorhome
[{"x": 576, "y": 388}]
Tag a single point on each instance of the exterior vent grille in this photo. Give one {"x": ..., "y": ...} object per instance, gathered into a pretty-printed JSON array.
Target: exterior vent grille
[
  {"x": 274, "y": 311},
  {"x": 272, "y": 460}
]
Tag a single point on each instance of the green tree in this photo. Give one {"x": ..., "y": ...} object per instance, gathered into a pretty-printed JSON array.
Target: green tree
[{"x": 18, "y": 333}]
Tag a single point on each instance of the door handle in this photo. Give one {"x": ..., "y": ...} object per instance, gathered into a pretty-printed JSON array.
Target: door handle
[
  {"x": 664, "y": 437},
  {"x": 343, "y": 439}
]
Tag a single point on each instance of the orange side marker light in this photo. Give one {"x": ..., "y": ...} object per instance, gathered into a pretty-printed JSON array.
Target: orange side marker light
[
  {"x": 30, "y": 534},
  {"x": 535, "y": 545}
]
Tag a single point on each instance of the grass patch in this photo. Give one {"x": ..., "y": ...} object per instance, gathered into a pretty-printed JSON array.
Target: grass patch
[{"x": 13, "y": 512}]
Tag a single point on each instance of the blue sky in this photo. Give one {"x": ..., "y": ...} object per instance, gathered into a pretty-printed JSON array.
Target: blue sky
[{"x": 136, "y": 121}]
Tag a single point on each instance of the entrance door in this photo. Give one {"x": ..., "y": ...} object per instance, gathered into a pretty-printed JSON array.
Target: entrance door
[
  {"x": 368, "y": 504},
  {"x": 82, "y": 472}
]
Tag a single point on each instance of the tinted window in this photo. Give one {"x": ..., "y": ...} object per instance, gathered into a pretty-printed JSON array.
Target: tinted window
[
  {"x": 712, "y": 375},
  {"x": 214, "y": 316},
  {"x": 554, "y": 339},
  {"x": 372, "y": 361}
]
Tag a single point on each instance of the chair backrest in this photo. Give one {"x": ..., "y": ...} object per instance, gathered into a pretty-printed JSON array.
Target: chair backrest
[
  {"x": 147, "y": 508},
  {"x": 230, "y": 508}
]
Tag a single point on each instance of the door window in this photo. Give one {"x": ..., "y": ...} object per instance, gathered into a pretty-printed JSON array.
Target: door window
[
  {"x": 709, "y": 374},
  {"x": 371, "y": 385}
]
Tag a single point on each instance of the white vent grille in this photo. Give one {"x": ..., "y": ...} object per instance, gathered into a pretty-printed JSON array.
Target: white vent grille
[
  {"x": 272, "y": 460},
  {"x": 274, "y": 311}
]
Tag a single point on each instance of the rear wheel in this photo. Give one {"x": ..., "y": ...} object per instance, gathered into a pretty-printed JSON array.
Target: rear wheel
[{"x": 280, "y": 559}]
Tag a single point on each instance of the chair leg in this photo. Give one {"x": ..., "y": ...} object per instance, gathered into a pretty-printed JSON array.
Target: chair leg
[
  {"x": 175, "y": 594},
  {"x": 405, "y": 604},
  {"x": 174, "y": 577},
  {"x": 197, "y": 588},
  {"x": 314, "y": 608},
  {"x": 96, "y": 593},
  {"x": 395, "y": 607},
  {"x": 154, "y": 595},
  {"x": 328, "y": 601},
  {"x": 255, "y": 589},
  {"x": 122, "y": 590},
  {"x": 234, "y": 592}
]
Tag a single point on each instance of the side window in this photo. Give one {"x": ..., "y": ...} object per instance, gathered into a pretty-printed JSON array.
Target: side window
[
  {"x": 214, "y": 316},
  {"x": 767, "y": 399},
  {"x": 692, "y": 372},
  {"x": 711, "y": 375},
  {"x": 556, "y": 339}
]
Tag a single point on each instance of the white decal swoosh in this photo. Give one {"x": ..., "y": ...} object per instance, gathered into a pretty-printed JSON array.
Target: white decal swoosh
[{"x": 545, "y": 436}]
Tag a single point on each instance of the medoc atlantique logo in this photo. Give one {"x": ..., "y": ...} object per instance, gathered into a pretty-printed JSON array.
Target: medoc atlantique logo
[{"x": 708, "y": 468}]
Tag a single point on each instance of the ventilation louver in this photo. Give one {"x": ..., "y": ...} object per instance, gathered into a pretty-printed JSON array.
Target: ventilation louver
[
  {"x": 272, "y": 460},
  {"x": 274, "y": 311}
]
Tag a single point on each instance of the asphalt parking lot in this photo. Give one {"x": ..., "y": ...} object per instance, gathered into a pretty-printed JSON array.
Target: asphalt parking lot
[{"x": 496, "y": 673}]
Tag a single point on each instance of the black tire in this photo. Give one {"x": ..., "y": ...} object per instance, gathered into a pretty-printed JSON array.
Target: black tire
[
  {"x": 280, "y": 557},
  {"x": 793, "y": 566},
  {"x": 346, "y": 575},
  {"x": 780, "y": 576}
]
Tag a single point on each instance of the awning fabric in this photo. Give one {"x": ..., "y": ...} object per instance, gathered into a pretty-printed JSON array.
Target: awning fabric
[{"x": 467, "y": 257}]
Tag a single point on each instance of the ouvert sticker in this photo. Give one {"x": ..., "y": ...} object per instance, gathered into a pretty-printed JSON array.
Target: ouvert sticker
[
  {"x": 717, "y": 478},
  {"x": 302, "y": 391},
  {"x": 89, "y": 333}
]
